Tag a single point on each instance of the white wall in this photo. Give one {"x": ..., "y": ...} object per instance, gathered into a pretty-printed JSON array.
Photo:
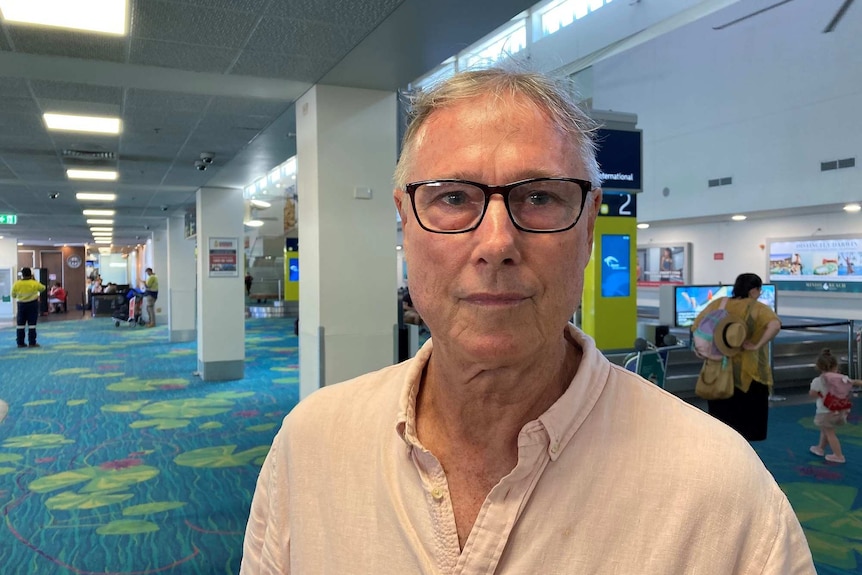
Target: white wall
[{"x": 763, "y": 101}]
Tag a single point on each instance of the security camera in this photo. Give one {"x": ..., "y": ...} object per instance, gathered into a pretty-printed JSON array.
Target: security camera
[
  {"x": 54, "y": 195},
  {"x": 163, "y": 208},
  {"x": 146, "y": 227},
  {"x": 207, "y": 157},
  {"x": 200, "y": 165}
]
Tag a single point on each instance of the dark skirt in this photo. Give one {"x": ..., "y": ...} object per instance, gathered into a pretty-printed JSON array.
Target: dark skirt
[{"x": 747, "y": 413}]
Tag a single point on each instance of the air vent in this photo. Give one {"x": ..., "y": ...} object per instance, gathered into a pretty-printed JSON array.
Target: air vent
[
  {"x": 837, "y": 164},
  {"x": 714, "y": 183},
  {"x": 726, "y": 181},
  {"x": 720, "y": 182},
  {"x": 88, "y": 155}
]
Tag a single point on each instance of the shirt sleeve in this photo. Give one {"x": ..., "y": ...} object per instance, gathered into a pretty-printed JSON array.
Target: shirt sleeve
[{"x": 266, "y": 548}]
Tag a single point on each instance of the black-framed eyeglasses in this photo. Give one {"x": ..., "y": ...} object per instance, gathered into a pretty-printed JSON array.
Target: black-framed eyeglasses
[{"x": 537, "y": 205}]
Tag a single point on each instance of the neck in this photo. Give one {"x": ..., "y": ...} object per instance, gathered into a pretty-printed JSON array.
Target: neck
[{"x": 487, "y": 407}]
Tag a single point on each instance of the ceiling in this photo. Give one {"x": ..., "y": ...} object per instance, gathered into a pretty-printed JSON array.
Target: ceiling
[{"x": 192, "y": 77}]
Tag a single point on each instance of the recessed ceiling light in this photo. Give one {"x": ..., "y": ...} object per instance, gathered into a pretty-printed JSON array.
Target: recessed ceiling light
[
  {"x": 643, "y": 226},
  {"x": 99, "y": 212},
  {"x": 91, "y": 174},
  {"x": 100, "y": 222},
  {"x": 852, "y": 208},
  {"x": 106, "y": 16},
  {"x": 92, "y": 124},
  {"x": 97, "y": 229},
  {"x": 95, "y": 196},
  {"x": 260, "y": 203},
  {"x": 102, "y": 241},
  {"x": 109, "y": 234},
  {"x": 737, "y": 217},
  {"x": 253, "y": 223}
]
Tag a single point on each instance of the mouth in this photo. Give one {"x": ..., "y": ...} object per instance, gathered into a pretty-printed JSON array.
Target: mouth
[{"x": 495, "y": 299}]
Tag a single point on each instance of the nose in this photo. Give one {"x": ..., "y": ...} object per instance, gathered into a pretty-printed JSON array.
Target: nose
[{"x": 497, "y": 235}]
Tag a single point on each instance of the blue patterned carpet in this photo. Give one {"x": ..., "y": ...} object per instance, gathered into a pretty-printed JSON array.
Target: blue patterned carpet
[{"x": 116, "y": 459}]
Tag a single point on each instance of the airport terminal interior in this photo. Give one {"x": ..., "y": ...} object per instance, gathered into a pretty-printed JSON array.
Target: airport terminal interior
[{"x": 729, "y": 131}]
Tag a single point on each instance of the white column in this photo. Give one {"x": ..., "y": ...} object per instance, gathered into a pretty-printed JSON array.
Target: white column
[
  {"x": 159, "y": 263},
  {"x": 9, "y": 262},
  {"x": 181, "y": 286},
  {"x": 346, "y": 153},
  {"x": 220, "y": 291}
]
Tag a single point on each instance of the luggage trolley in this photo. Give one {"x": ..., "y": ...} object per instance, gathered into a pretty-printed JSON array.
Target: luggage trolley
[
  {"x": 128, "y": 308},
  {"x": 650, "y": 361}
]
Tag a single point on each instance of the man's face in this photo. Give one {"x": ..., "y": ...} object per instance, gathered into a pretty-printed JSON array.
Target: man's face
[{"x": 496, "y": 294}]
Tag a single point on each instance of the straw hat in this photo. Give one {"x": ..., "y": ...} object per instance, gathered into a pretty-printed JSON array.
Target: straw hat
[{"x": 729, "y": 335}]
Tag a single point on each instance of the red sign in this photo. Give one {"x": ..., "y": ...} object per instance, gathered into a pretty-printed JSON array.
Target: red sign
[{"x": 718, "y": 256}]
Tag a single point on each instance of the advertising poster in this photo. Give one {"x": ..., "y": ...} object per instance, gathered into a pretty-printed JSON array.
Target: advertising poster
[
  {"x": 222, "y": 258},
  {"x": 616, "y": 277},
  {"x": 817, "y": 265},
  {"x": 662, "y": 265}
]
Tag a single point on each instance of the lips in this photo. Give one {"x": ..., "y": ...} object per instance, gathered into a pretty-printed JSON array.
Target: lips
[{"x": 495, "y": 299}]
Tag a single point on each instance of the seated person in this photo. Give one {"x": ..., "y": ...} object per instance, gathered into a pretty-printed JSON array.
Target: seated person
[
  {"x": 96, "y": 286},
  {"x": 56, "y": 298},
  {"x": 110, "y": 288}
]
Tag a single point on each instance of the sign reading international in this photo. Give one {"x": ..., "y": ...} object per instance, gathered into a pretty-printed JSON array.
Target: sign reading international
[
  {"x": 620, "y": 159},
  {"x": 222, "y": 257}
]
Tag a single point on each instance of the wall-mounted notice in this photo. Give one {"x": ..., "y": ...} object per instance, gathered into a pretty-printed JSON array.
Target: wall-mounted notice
[
  {"x": 817, "y": 265},
  {"x": 222, "y": 257}
]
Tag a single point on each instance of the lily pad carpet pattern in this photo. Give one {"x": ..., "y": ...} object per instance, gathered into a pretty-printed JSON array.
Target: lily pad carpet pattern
[{"x": 115, "y": 458}]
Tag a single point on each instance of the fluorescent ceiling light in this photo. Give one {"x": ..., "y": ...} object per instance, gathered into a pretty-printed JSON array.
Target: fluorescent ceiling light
[
  {"x": 95, "y": 196},
  {"x": 93, "y": 124},
  {"x": 99, "y": 212},
  {"x": 102, "y": 241},
  {"x": 100, "y": 222},
  {"x": 738, "y": 217},
  {"x": 253, "y": 223},
  {"x": 103, "y": 234},
  {"x": 101, "y": 229},
  {"x": 106, "y": 16},
  {"x": 91, "y": 174},
  {"x": 643, "y": 226},
  {"x": 260, "y": 203},
  {"x": 852, "y": 208}
]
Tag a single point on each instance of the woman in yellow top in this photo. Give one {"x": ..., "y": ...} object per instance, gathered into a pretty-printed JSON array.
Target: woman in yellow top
[
  {"x": 27, "y": 291},
  {"x": 747, "y": 411}
]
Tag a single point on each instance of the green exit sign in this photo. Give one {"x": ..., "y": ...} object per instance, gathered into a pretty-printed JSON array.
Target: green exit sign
[{"x": 8, "y": 219}]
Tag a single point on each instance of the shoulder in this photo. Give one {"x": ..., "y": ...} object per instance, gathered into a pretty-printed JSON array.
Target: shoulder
[{"x": 351, "y": 405}]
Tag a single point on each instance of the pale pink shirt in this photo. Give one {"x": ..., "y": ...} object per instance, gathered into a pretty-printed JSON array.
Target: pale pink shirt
[{"x": 617, "y": 477}]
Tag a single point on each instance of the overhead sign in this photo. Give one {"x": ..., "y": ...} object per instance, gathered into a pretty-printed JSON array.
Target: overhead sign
[
  {"x": 619, "y": 205},
  {"x": 620, "y": 159},
  {"x": 8, "y": 219}
]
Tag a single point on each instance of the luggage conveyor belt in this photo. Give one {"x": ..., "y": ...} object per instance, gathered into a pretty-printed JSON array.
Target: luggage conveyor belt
[{"x": 794, "y": 352}]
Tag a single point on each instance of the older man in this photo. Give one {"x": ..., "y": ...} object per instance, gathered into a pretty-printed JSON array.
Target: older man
[{"x": 509, "y": 444}]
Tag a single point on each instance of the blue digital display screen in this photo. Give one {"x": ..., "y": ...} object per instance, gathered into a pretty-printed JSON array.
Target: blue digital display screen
[
  {"x": 689, "y": 301},
  {"x": 293, "y": 268},
  {"x": 616, "y": 265}
]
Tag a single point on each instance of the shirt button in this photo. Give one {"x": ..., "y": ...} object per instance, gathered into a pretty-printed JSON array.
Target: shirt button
[
  {"x": 555, "y": 448},
  {"x": 437, "y": 493}
]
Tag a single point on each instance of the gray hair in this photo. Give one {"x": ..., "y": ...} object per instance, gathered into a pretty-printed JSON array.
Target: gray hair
[{"x": 551, "y": 95}]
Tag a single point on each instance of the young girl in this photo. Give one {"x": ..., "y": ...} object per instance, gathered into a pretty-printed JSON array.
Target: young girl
[{"x": 828, "y": 417}]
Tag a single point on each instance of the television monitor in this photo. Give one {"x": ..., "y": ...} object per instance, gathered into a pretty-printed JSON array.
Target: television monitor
[
  {"x": 690, "y": 300},
  {"x": 616, "y": 263},
  {"x": 293, "y": 267}
]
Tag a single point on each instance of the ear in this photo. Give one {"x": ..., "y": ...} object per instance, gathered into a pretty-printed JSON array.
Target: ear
[
  {"x": 399, "y": 197},
  {"x": 594, "y": 205}
]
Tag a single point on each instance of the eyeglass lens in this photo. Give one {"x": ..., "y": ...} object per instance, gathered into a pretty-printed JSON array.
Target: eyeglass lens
[{"x": 539, "y": 205}]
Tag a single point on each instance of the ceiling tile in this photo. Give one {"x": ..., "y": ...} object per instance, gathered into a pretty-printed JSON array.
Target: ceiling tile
[
  {"x": 51, "y": 42},
  {"x": 366, "y": 14},
  {"x": 182, "y": 23},
  {"x": 180, "y": 56},
  {"x": 51, "y": 90},
  {"x": 247, "y": 107},
  {"x": 270, "y": 65},
  {"x": 5, "y": 174},
  {"x": 160, "y": 100},
  {"x": 14, "y": 88},
  {"x": 289, "y": 36}
]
